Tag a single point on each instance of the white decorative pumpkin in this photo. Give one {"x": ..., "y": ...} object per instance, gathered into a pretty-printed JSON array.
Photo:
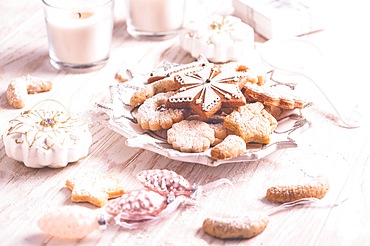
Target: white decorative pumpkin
[
  {"x": 40, "y": 138},
  {"x": 218, "y": 38}
]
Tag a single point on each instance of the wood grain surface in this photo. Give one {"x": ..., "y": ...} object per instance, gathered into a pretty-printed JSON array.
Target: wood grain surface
[{"x": 340, "y": 154}]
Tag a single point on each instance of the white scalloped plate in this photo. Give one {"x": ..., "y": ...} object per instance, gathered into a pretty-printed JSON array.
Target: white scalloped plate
[{"x": 122, "y": 120}]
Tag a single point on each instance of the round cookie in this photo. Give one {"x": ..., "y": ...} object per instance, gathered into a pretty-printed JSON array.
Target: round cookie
[
  {"x": 154, "y": 115},
  {"x": 191, "y": 136},
  {"x": 40, "y": 138}
]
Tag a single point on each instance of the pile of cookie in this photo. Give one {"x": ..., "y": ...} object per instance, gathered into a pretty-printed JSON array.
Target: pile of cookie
[{"x": 204, "y": 106}]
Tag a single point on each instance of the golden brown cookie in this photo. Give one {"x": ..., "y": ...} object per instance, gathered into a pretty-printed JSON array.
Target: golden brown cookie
[
  {"x": 246, "y": 226},
  {"x": 251, "y": 75},
  {"x": 95, "y": 188},
  {"x": 208, "y": 90},
  {"x": 159, "y": 82},
  {"x": 316, "y": 188},
  {"x": 149, "y": 90},
  {"x": 191, "y": 136},
  {"x": 220, "y": 132},
  {"x": 19, "y": 88},
  {"x": 252, "y": 123},
  {"x": 154, "y": 115},
  {"x": 278, "y": 95},
  {"x": 231, "y": 146}
]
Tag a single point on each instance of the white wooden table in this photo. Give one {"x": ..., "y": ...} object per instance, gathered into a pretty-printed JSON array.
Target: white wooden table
[{"x": 340, "y": 154}]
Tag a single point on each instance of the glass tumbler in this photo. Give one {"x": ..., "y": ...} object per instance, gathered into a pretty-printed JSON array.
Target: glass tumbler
[{"x": 79, "y": 33}]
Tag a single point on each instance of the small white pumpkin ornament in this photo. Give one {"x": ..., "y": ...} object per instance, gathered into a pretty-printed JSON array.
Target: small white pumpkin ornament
[
  {"x": 47, "y": 138},
  {"x": 218, "y": 38}
]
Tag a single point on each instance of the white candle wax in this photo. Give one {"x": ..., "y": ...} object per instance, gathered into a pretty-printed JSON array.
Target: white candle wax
[
  {"x": 155, "y": 15},
  {"x": 80, "y": 37}
]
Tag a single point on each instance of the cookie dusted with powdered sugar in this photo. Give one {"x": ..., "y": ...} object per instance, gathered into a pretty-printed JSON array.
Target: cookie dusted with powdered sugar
[
  {"x": 278, "y": 95},
  {"x": 252, "y": 123},
  {"x": 154, "y": 115},
  {"x": 19, "y": 88},
  {"x": 191, "y": 136}
]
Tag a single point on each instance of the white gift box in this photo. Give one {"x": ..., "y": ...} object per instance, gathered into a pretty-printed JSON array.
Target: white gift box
[{"x": 281, "y": 18}]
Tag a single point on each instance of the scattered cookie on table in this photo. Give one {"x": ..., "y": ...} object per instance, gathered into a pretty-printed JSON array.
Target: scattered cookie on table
[
  {"x": 19, "y": 88},
  {"x": 246, "y": 226},
  {"x": 252, "y": 123},
  {"x": 316, "y": 188},
  {"x": 95, "y": 188}
]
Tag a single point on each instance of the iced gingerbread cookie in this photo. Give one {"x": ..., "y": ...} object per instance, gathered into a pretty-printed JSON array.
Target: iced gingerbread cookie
[
  {"x": 154, "y": 115},
  {"x": 252, "y": 123},
  {"x": 208, "y": 90},
  {"x": 191, "y": 136},
  {"x": 218, "y": 38},
  {"x": 40, "y": 138}
]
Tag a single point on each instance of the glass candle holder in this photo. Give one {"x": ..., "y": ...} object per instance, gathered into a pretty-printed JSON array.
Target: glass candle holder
[
  {"x": 79, "y": 33},
  {"x": 156, "y": 19}
]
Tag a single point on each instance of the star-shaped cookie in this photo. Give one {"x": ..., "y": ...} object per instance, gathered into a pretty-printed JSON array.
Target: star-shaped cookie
[
  {"x": 95, "y": 188},
  {"x": 206, "y": 91}
]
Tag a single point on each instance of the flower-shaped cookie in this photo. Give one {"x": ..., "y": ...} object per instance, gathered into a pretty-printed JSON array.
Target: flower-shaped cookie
[
  {"x": 206, "y": 91},
  {"x": 191, "y": 136}
]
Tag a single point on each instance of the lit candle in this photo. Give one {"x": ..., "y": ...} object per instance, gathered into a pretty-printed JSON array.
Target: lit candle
[
  {"x": 155, "y": 18},
  {"x": 79, "y": 33}
]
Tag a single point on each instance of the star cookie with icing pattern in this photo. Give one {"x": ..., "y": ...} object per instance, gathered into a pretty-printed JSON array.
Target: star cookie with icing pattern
[
  {"x": 209, "y": 90},
  {"x": 95, "y": 188}
]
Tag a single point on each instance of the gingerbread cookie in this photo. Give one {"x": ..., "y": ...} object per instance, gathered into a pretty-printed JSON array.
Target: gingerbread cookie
[
  {"x": 95, "y": 188},
  {"x": 206, "y": 91},
  {"x": 19, "y": 88},
  {"x": 231, "y": 146},
  {"x": 191, "y": 136},
  {"x": 154, "y": 115},
  {"x": 252, "y": 123},
  {"x": 278, "y": 95}
]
